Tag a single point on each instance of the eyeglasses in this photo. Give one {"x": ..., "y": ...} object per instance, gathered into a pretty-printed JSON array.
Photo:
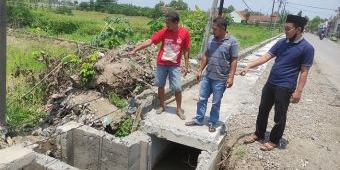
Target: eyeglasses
[{"x": 287, "y": 29}]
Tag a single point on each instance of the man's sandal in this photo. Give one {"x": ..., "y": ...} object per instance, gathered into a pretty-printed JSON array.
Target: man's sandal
[
  {"x": 268, "y": 146},
  {"x": 193, "y": 123},
  {"x": 251, "y": 139},
  {"x": 212, "y": 128}
]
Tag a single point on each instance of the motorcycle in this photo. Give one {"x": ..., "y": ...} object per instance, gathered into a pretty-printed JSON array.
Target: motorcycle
[{"x": 322, "y": 35}]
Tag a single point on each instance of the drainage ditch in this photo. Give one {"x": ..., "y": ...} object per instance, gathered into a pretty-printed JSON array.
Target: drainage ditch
[{"x": 180, "y": 157}]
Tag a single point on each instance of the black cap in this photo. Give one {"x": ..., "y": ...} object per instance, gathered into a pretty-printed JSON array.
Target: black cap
[{"x": 297, "y": 20}]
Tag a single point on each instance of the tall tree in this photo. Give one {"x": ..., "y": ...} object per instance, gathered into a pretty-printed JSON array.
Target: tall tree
[
  {"x": 157, "y": 11},
  {"x": 178, "y": 5},
  {"x": 314, "y": 23},
  {"x": 229, "y": 9}
]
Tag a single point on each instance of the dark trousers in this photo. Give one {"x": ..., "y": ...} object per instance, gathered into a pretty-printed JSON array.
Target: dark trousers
[{"x": 280, "y": 96}]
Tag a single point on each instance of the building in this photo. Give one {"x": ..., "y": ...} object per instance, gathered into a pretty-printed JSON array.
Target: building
[
  {"x": 334, "y": 24},
  {"x": 245, "y": 17},
  {"x": 237, "y": 17}
]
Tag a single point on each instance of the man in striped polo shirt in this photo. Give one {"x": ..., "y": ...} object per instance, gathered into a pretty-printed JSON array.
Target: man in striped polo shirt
[{"x": 219, "y": 62}]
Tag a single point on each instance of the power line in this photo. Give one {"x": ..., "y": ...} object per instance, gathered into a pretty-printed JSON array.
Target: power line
[
  {"x": 311, "y": 6},
  {"x": 309, "y": 11},
  {"x": 247, "y": 5}
]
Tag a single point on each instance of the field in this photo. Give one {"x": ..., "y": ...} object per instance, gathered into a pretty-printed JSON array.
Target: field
[{"x": 27, "y": 57}]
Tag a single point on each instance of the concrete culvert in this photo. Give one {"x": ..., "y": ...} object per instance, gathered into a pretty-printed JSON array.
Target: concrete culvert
[{"x": 179, "y": 157}]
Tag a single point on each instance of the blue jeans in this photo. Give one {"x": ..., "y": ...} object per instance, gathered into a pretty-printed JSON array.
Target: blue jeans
[
  {"x": 208, "y": 87},
  {"x": 174, "y": 73}
]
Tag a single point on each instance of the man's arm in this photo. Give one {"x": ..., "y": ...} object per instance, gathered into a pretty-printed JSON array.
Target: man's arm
[
  {"x": 296, "y": 96},
  {"x": 141, "y": 46},
  {"x": 233, "y": 65},
  {"x": 203, "y": 64},
  {"x": 263, "y": 59},
  {"x": 186, "y": 61}
]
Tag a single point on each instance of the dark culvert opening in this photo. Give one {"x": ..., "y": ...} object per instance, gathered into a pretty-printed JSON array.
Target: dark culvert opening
[{"x": 179, "y": 157}]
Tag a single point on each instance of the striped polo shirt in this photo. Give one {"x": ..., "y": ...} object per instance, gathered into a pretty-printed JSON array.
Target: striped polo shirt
[{"x": 219, "y": 56}]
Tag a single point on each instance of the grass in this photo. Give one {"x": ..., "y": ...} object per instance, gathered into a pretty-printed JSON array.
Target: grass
[
  {"x": 91, "y": 23},
  {"x": 249, "y": 35},
  {"x": 23, "y": 112},
  {"x": 116, "y": 100},
  {"x": 240, "y": 153},
  {"x": 20, "y": 53}
]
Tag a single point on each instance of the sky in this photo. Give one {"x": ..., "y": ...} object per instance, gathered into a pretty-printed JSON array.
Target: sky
[{"x": 310, "y": 8}]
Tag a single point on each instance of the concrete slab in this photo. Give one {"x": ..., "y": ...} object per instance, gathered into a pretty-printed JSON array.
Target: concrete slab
[
  {"x": 94, "y": 102},
  {"x": 16, "y": 157}
]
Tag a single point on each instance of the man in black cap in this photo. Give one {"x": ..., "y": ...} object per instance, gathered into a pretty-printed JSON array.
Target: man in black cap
[{"x": 293, "y": 58}]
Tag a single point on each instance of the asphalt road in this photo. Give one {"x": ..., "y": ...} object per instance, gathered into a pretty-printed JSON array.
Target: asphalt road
[{"x": 327, "y": 58}]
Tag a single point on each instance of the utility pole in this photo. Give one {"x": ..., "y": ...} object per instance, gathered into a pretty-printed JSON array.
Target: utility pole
[
  {"x": 208, "y": 27},
  {"x": 277, "y": 13},
  {"x": 3, "y": 22},
  {"x": 271, "y": 16},
  {"x": 220, "y": 9},
  {"x": 283, "y": 13}
]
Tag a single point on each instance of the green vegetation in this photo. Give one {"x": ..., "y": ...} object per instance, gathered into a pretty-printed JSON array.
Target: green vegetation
[
  {"x": 240, "y": 153},
  {"x": 116, "y": 100},
  {"x": 125, "y": 127},
  {"x": 114, "y": 34},
  {"x": 250, "y": 35},
  {"x": 24, "y": 65}
]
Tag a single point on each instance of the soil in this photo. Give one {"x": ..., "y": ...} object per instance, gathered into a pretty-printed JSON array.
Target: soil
[{"x": 312, "y": 136}]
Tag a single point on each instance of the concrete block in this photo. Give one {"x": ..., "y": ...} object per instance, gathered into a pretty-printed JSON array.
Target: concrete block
[
  {"x": 65, "y": 141},
  {"x": 87, "y": 144},
  {"x": 145, "y": 155},
  {"x": 138, "y": 144},
  {"x": 208, "y": 160},
  {"x": 129, "y": 153},
  {"x": 16, "y": 157},
  {"x": 44, "y": 162},
  {"x": 114, "y": 154}
]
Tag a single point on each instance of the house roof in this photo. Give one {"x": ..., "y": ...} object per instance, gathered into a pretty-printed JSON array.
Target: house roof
[
  {"x": 242, "y": 14},
  {"x": 260, "y": 18},
  {"x": 255, "y": 18}
]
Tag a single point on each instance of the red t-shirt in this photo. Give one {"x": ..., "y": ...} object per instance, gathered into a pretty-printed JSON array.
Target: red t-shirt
[{"x": 172, "y": 45}]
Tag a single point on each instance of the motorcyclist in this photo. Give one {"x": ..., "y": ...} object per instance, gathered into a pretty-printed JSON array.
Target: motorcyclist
[{"x": 322, "y": 32}]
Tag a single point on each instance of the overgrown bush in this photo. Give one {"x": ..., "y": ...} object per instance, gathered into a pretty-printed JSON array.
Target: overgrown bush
[
  {"x": 63, "y": 10},
  {"x": 85, "y": 66},
  {"x": 196, "y": 22},
  {"x": 156, "y": 24},
  {"x": 19, "y": 16},
  {"x": 115, "y": 33},
  {"x": 56, "y": 26}
]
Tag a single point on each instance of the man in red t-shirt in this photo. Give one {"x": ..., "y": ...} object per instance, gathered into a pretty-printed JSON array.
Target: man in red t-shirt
[{"x": 175, "y": 42}]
